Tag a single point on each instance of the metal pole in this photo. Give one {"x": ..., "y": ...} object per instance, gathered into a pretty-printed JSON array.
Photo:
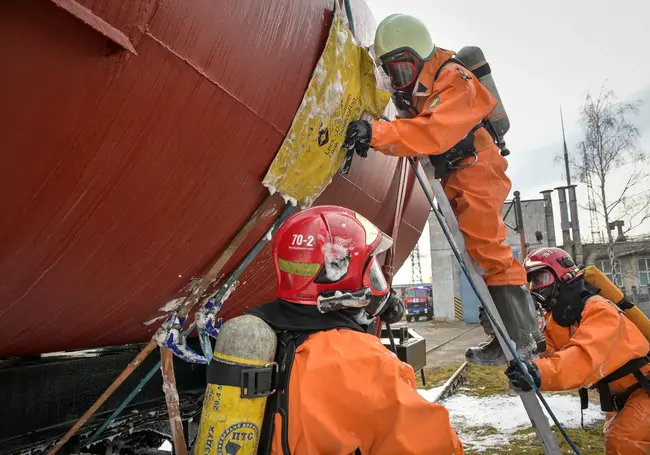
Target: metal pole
[
  {"x": 575, "y": 225},
  {"x": 550, "y": 220},
  {"x": 389, "y": 270},
  {"x": 566, "y": 152},
  {"x": 519, "y": 218},
  {"x": 564, "y": 217}
]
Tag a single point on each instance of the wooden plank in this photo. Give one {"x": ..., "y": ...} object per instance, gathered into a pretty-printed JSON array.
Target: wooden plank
[{"x": 173, "y": 406}]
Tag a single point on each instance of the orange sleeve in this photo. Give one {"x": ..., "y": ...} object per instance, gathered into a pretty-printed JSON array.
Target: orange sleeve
[
  {"x": 579, "y": 363},
  {"x": 457, "y": 104},
  {"x": 403, "y": 421}
]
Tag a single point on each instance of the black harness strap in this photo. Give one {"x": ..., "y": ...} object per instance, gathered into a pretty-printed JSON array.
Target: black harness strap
[
  {"x": 630, "y": 367},
  {"x": 278, "y": 403},
  {"x": 448, "y": 161},
  {"x": 609, "y": 402},
  {"x": 293, "y": 325},
  {"x": 642, "y": 382},
  {"x": 449, "y": 60},
  {"x": 254, "y": 381},
  {"x": 584, "y": 404}
]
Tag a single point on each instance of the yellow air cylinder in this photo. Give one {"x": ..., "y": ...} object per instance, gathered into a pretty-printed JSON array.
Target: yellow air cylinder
[
  {"x": 231, "y": 421},
  {"x": 640, "y": 320},
  {"x": 612, "y": 293}
]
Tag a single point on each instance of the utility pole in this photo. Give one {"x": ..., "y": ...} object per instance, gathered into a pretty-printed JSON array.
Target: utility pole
[
  {"x": 566, "y": 152},
  {"x": 519, "y": 219}
]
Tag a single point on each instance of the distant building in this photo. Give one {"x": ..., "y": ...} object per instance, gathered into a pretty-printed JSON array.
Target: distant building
[
  {"x": 534, "y": 225},
  {"x": 631, "y": 267},
  {"x": 453, "y": 297}
]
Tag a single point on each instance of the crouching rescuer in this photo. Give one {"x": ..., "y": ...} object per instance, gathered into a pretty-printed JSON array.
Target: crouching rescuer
[
  {"x": 300, "y": 374},
  {"x": 591, "y": 343},
  {"x": 455, "y": 125}
]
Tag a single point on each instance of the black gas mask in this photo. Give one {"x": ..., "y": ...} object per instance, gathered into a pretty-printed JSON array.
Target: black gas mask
[
  {"x": 565, "y": 301},
  {"x": 546, "y": 296},
  {"x": 564, "y": 296}
]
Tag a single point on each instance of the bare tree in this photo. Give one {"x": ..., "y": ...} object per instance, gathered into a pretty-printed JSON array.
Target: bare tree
[{"x": 609, "y": 151}]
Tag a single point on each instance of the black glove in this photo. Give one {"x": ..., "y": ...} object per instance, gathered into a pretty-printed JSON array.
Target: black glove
[
  {"x": 393, "y": 309},
  {"x": 358, "y": 137},
  {"x": 484, "y": 320},
  {"x": 517, "y": 378}
]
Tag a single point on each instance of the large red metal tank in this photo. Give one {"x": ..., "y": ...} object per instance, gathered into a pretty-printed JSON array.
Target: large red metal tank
[{"x": 134, "y": 137}]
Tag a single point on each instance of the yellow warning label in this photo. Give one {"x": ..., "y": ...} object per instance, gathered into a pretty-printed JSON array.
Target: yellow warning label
[
  {"x": 342, "y": 88},
  {"x": 238, "y": 438},
  {"x": 230, "y": 425}
]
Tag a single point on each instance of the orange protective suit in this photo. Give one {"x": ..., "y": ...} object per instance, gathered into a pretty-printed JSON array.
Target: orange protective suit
[
  {"x": 348, "y": 392},
  {"x": 448, "y": 110},
  {"x": 581, "y": 355}
]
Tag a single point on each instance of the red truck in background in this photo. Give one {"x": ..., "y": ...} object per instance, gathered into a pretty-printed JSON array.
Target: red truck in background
[{"x": 418, "y": 301}]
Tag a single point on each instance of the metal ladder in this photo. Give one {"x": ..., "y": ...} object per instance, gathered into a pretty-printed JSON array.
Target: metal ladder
[{"x": 534, "y": 410}]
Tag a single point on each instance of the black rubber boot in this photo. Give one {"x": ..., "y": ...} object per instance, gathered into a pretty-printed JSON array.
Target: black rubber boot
[{"x": 517, "y": 310}]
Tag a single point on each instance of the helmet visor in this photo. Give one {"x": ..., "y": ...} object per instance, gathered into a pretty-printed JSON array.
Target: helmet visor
[
  {"x": 540, "y": 279},
  {"x": 385, "y": 242},
  {"x": 374, "y": 278},
  {"x": 372, "y": 234},
  {"x": 401, "y": 73}
]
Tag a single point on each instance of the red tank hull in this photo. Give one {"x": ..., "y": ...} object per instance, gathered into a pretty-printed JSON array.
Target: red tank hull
[{"x": 135, "y": 135}]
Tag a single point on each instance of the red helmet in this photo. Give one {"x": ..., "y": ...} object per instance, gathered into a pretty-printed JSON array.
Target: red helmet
[
  {"x": 325, "y": 256},
  {"x": 546, "y": 265}
]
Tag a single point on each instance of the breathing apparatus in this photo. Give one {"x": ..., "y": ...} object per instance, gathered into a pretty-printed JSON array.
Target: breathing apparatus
[{"x": 563, "y": 287}]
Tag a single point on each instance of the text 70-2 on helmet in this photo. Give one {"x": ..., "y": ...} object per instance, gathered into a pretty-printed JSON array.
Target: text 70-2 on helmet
[{"x": 326, "y": 256}]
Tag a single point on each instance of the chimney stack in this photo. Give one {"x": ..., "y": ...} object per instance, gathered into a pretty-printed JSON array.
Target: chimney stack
[
  {"x": 564, "y": 218},
  {"x": 575, "y": 225},
  {"x": 550, "y": 221}
]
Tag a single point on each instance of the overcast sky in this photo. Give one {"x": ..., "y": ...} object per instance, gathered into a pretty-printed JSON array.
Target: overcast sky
[{"x": 543, "y": 55}]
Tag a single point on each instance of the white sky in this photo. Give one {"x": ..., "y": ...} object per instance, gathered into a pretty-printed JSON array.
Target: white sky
[{"x": 543, "y": 55}]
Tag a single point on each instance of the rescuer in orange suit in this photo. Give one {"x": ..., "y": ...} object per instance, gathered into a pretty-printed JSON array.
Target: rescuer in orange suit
[
  {"x": 590, "y": 342},
  {"x": 347, "y": 394},
  {"x": 442, "y": 109}
]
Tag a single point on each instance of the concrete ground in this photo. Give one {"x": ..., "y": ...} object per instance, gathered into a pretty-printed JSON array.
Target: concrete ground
[{"x": 446, "y": 341}]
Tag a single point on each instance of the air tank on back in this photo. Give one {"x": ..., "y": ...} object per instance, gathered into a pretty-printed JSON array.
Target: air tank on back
[{"x": 473, "y": 58}]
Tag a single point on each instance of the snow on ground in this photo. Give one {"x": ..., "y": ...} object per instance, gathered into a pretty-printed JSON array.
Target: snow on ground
[{"x": 472, "y": 416}]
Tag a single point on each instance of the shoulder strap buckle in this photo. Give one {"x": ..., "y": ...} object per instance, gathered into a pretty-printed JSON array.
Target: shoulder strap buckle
[{"x": 258, "y": 382}]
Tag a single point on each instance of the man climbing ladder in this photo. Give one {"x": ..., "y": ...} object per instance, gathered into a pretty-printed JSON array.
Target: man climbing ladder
[{"x": 443, "y": 106}]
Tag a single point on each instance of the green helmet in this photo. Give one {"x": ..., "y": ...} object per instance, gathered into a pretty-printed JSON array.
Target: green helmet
[{"x": 400, "y": 32}]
